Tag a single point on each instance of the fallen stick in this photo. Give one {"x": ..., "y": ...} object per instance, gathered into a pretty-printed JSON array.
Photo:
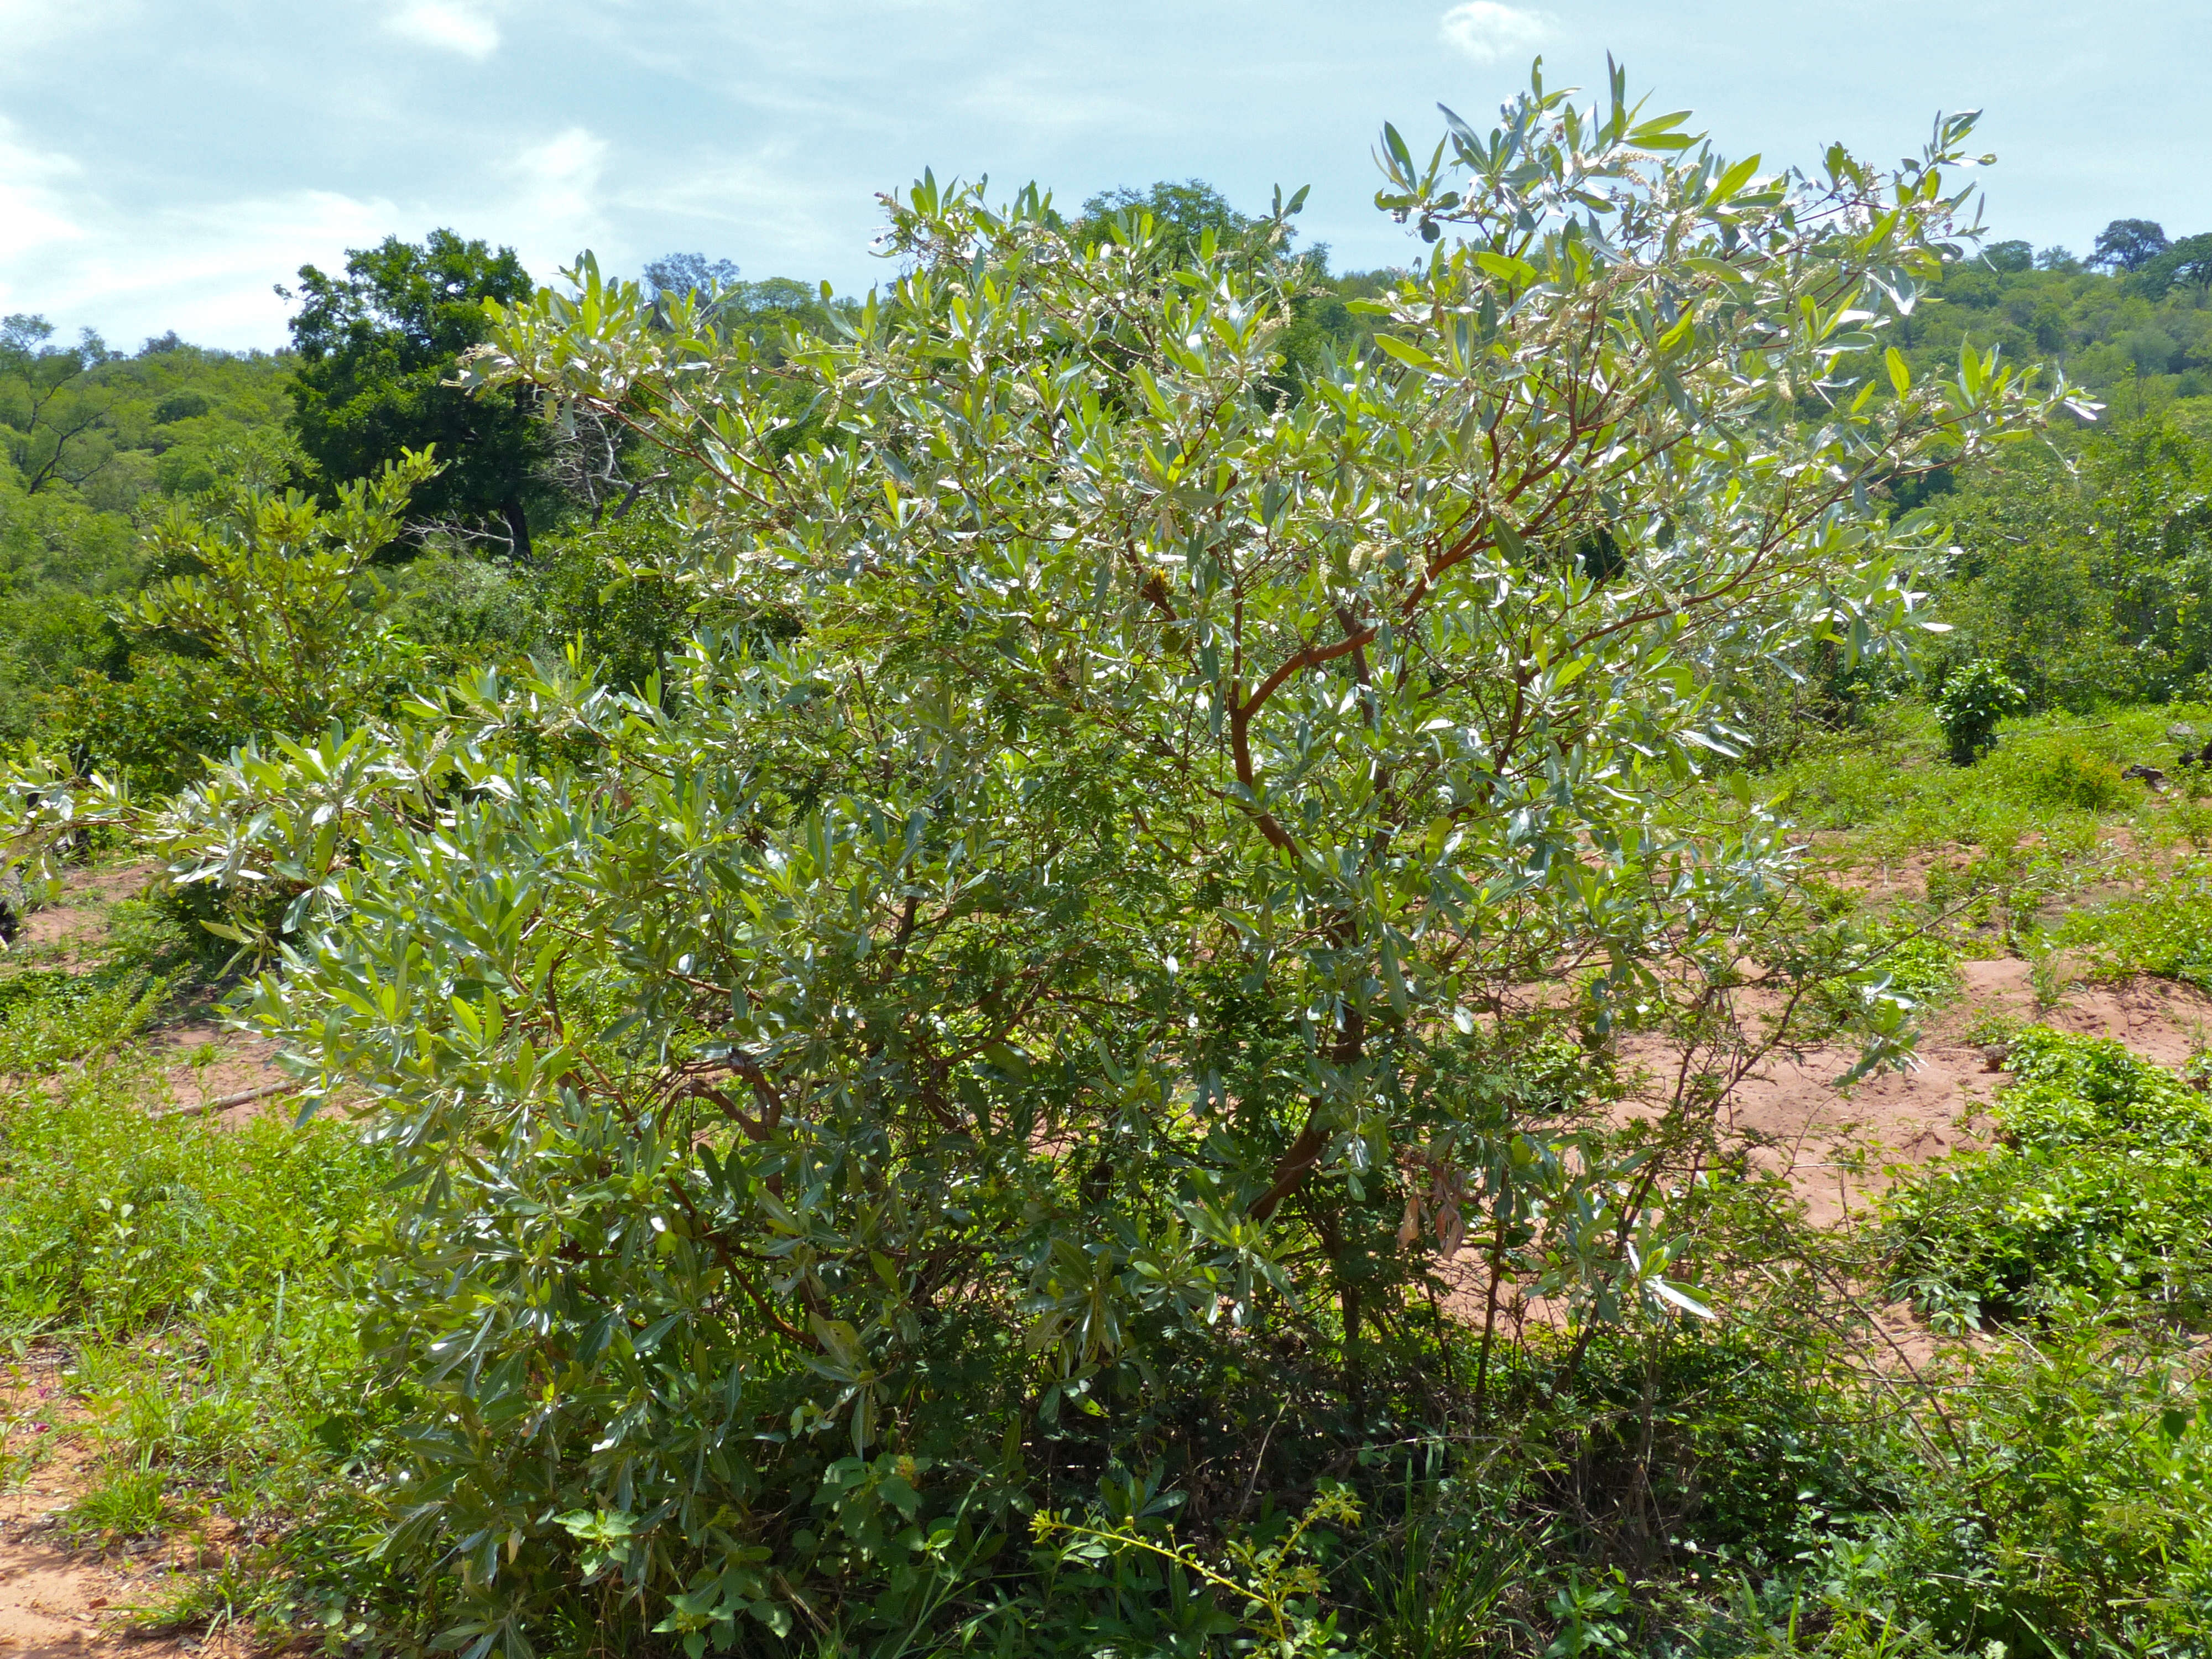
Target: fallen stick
[{"x": 224, "y": 1103}]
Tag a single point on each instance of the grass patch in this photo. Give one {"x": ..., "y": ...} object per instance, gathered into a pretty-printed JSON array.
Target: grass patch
[
  {"x": 149, "y": 954},
  {"x": 127, "y": 1503},
  {"x": 2165, "y": 930},
  {"x": 109, "y": 1222},
  {"x": 2101, "y": 1188},
  {"x": 203, "y": 1278},
  {"x": 1893, "y": 786}
]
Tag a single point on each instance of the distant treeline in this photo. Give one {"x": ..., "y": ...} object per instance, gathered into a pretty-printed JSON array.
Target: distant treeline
[{"x": 2132, "y": 320}]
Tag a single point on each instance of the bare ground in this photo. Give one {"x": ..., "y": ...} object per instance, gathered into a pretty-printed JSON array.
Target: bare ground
[
  {"x": 1841, "y": 1147},
  {"x": 59, "y": 1600},
  {"x": 1834, "y": 1144}
]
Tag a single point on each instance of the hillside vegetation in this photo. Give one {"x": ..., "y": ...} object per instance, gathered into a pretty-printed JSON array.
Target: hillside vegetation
[{"x": 1091, "y": 956}]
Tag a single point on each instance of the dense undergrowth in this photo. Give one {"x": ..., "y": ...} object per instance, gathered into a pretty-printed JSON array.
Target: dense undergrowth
[
  {"x": 2098, "y": 1187},
  {"x": 1769, "y": 1483}
]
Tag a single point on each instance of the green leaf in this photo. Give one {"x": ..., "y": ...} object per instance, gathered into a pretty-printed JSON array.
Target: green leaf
[
  {"x": 1514, "y": 273},
  {"x": 1733, "y": 180},
  {"x": 1676, "y": 1296},
  {"x": 1406, "y": 352}
]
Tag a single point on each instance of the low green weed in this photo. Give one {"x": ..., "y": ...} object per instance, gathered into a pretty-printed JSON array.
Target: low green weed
[
  {"x": 1444, "y": 1578},
  {"x": 160, "y": 931},
  {"x": 2164, "y": 930},
  {"x": 228, "y": 1595},
  {"x": 2101, "y": 1186},
  {"x": 2067, "y": 773},
  {"x": 109, "y": 1221},
  {"x": 231, "y": 1403},
  {"x": 1922, "y": 968},
  {"x": 2063, "y": 1517},
  {"x": 49, "y": 1017},
  {"x": 1906, "y": 962},
  {"x": 125, "y": 1503}
]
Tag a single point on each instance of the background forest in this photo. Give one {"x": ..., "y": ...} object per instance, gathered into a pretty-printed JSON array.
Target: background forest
[{"x": 1193, "y": 1114}]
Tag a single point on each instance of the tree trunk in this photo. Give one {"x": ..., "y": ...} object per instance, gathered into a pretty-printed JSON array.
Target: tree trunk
[{"x": 518, "y": 527}]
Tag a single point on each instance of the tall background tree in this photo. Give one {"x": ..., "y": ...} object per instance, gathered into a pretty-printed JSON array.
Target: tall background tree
[
  {"x": 2129, "y": 244},
  {"x": 679, "y": 274},
  {"x": 378, "y": 347},
  {"x": 2187, "y": 263},
  {"x": 54, "y": 412}
]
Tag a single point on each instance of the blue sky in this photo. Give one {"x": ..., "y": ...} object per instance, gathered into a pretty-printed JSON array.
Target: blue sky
[{"x": 164, "y": 162}]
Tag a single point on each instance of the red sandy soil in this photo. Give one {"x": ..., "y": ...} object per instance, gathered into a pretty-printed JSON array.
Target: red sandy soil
[
  {"x": 52, "y": 936},
  {"x": 200, "y": 1060},
  {"x": 57, "y": 1601},
  {"x": 1838, "y": 1146},
  {"x": 1808, "y": 1128}
]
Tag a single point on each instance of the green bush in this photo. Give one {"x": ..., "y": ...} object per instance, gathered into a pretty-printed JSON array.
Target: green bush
[
  {"x": 618, "y": 587},
  {"x": 1015, "y": 1037},
  {"x": 462, "y": 612},
  {"x": 2102, "y": 1186},
  {"x": 1973, "y": 699},
  {"x": 2068, "y": 774},
  {"x": 153, "y": 724}
]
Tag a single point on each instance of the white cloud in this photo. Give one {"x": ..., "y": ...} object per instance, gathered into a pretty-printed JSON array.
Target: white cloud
[
  {"x": 1487, "y": 32},
  {"x": 206, "y": 272},
  {"x": 447, "y": 26},
  {"x": 557, "y": 208},
  {"x": 207, "y": 267},
  {"x": 760, "y": 206},
  {"x": 32, "y": 212},
  {"x": 28, "y": 23},
  {"x": 1030, "y": 101}
]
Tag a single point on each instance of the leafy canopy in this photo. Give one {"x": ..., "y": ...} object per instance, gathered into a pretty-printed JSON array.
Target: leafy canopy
[
  {"x": 690, "y": 273},
  {"x": 55, "y": 416},
  {"x": 2129, "y": 244},
  {"x": 268, "y": 585},
  {"x": 378, "y": 349}
]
